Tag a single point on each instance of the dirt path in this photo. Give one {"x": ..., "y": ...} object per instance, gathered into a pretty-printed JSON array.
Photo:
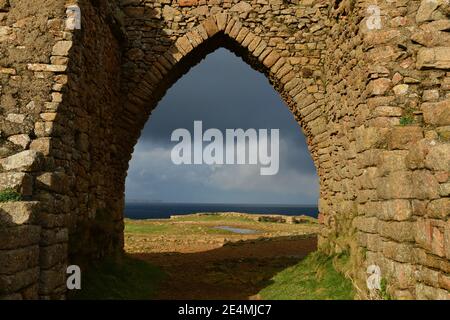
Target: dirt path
[{"x": 233, "y": 271}]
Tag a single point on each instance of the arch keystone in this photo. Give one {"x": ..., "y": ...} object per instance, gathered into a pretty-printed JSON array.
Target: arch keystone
[
  {"x": 210, "y": 26},
  {"x": 221, "y": 20}
]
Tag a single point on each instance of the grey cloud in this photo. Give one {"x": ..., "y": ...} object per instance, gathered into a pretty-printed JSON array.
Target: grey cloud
[{"x": 223, "y": 92}]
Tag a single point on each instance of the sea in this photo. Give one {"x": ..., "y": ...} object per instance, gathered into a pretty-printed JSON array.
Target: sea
[{"x": 165, "y": 210}]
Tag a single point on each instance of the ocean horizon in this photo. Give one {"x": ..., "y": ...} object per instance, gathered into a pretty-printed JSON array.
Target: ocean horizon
[{"x": 161, "y": 210}]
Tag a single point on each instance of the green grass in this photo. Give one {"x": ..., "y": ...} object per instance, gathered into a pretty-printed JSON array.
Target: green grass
[
  {"x": 170, "y": 228},
  {"x": 9, "y": 194},
  {"x": 146, "y": 228},
  {"x": 213, "y": 218},
  {"x": 406, "y": 120},
  {"x": 314, "y": 278},
  {"x": 203, "y": 225},
  {"x": 127, "y": 279}
]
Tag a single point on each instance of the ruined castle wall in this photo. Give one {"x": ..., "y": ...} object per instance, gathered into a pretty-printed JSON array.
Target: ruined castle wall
[
  {"x": 58, "y": 87},
  {"x": 403, "y": 221},
  {"x": 28, "y": 69},
  {"x": 372, "y": 102}
]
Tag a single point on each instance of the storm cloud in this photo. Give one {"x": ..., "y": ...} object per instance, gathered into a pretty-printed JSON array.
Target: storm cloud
[{"x": 224, "y": 93}]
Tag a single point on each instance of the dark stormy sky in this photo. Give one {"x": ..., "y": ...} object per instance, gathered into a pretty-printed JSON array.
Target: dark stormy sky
[{"x": 224, "y": 93}]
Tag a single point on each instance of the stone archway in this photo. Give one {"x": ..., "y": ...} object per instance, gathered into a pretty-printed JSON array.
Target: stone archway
[{"x": 371, "y": 98}]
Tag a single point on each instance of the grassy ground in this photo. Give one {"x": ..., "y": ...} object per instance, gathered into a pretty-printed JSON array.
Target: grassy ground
[
  {"x": 212, "y": 217},
  {"x": 185, "y": 258},
  {"x": 162, "y": 228},
  {"x": 314, "y": 278},
  {"x": 127, "y": 279}
]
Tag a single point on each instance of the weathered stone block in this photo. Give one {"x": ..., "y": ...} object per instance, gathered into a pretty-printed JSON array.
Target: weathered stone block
[
  {"x": 52, "y": 255},
  {"x": 398, "y": 185},
  {"x": 19, "y": 280},
  {"x": 438, "y": 158},
  {"x": 20, "y": 236},
  {"x": 397, "y": 251},
  {"x": 438, "y": 58},
  {"x": 426, "y": 10},
  {"x": 437, "y": 243},
  {"x": 368, "y": 158},
  {"x": 47, "y": 67},
  {"x": 22, "y": 140},
  {"x": 374, "y": 242},
  {"x": 424, "y": 292},
  {"x": 424, "y": 233},
  {"x": 369, "y": 209},
  {"x": 19, "y": 181},
  {"x": 401, "y": 137},
  {"x": 52, "y": 236},
  {"x": 404, "y": 274},
  {"x": 419, "y": 207},
  {"x": 397, "y": 231},
  {"x": 51, "y": 279},
  {"x": 428, "y": 276},
  {"x": 15, "y": 260},
  {"x": 28, "y": 161},
  {"x": 62, "y": 48},
  {"x": 431, "y": 38},
  {"x": 366, "y": 224},
  {"x": 379, "y": 86},
  {"x": 241, "y": 7},
  {"x": 184, "y": 45},
  {"x": 444, "y": 281},
  {"x": 271, "y": 58},
  {"x": 41, "y": 145},
  {"x": 210, "y": 27},
  {"x": 447, "y": 239},
  {"x": 369, "y": 138},
  {"x": 425, "y": 185},
  {"x": 439, "y": 208},
  {"x": 221, "y": 20},
  {"x": 17, "y": 213},
  {"x": 187, "y": 3},
  {"x": 417, "y": 152},
  {"x": 391, "y": 161},
  {"x": 437, "y": 113},
  {"x": 368, "y": 179},
  {"x": 398, "y": 210},
  {"x": 54, "y": 181},
  {"x": 403, "y": 295}
]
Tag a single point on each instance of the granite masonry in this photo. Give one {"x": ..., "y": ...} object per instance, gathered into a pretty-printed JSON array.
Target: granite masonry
[{"x": 368, "y": 81}]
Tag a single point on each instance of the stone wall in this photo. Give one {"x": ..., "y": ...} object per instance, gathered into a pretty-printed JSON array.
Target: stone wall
[
  {"x": 59, "y": 88},
  {"x": 374, "y": 104}
]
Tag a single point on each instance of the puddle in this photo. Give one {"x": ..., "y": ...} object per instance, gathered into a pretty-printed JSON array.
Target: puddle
[{"x": 236, "y": 230}]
